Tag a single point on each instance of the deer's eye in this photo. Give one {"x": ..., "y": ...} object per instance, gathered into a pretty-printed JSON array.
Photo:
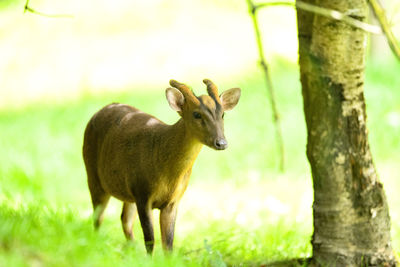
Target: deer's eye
[
  {"x": 223, "y": 115},
  {"x": 196, "y": 115}
]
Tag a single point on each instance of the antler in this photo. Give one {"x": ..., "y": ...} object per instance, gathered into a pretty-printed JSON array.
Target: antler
[
  {"x": 187, "y": 93},
  {"x": 212, "y": 90}
]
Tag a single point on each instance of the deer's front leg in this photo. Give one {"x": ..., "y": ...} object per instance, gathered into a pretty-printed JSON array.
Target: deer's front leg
[
  {"x": 167, "y": 224},
  {"x": 146, "y": 221}
]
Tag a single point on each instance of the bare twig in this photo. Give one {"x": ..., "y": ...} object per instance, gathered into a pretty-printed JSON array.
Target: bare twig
[
  {"x": 326, "y": 12},
  {"x": 33, "y": 11},
  {"x": 203, "y": 248},
  {"x": 380, "y": 15},
  {"x": 222, "y": 240},
  {"x": 270, "y": 88}
]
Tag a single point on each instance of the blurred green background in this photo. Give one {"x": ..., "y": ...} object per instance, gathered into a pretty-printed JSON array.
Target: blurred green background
[{"x": 239, "y": 209}]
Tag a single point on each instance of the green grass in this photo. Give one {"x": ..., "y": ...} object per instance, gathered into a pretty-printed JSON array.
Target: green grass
[
  {"x": 60, "y": 237},
  {"x": 238, "y": 211}
]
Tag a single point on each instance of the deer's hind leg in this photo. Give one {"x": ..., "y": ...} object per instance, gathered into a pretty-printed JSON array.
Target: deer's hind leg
[
  {"x": 99, "y": 198},
  {"x": 99, "y": 206},
  {"x": 129, "y": 212}
]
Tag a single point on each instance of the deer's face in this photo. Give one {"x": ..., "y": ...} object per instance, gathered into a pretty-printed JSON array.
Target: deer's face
[
  {"x": 203, "y": 115},
  {"x": 206, "y": 122}
]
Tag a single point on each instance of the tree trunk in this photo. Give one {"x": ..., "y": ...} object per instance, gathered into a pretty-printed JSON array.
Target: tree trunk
[{"x": 351, "y": 216}]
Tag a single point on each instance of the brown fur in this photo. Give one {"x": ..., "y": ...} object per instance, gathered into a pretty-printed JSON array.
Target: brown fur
[{"x": 146, "y": 163}]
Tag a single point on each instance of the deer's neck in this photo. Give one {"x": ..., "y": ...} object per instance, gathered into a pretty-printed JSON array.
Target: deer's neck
[{"x": 182, "y": 146}]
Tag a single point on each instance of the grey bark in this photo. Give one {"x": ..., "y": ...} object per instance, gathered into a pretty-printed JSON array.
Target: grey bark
[{"x": 351, "y": 216}]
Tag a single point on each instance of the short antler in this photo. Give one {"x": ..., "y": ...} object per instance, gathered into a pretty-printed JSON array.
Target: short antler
[
  {"x": 185, "y": 90},
  {"x": 212, "y": 90}
]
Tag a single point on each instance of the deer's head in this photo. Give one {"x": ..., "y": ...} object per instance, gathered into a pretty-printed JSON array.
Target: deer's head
[{"x": 203, "y": 115}]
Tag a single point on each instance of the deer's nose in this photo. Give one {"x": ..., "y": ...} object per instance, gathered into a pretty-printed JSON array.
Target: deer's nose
[{"x": 220, "y": 144}]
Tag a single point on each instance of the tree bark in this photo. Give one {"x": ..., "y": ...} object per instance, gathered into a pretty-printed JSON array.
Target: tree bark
[{"x": 351, "y": 216}]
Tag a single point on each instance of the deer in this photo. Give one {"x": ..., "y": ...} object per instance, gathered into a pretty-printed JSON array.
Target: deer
[{"x": 145, "y": 163}]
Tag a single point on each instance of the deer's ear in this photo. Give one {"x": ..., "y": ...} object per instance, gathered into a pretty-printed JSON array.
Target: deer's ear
[
  {"x": 230, "y": 98},
  {"x": 175, "y": 99}
]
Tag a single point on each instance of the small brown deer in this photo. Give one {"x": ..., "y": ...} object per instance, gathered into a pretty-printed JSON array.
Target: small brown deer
[{"x": 146, "y": 163}]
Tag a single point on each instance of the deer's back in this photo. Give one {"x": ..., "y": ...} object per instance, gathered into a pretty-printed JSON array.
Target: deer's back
[{"x": 100, "y": 125}]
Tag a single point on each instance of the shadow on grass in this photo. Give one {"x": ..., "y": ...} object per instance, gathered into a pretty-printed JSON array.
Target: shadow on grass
[{"x": 289, "y": 263}]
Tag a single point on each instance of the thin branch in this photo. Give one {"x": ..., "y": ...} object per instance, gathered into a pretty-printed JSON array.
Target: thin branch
[
  {"x": 33, "y": 11},
  {"x": 269, "y": 85},
  {"x": 277, "y": 3},
  {"x": 326, "y": 12},
  {"x": 203, "y": 248},
  {"x": 334, "y": 14},
  {"x": 380, "y": 15}
]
